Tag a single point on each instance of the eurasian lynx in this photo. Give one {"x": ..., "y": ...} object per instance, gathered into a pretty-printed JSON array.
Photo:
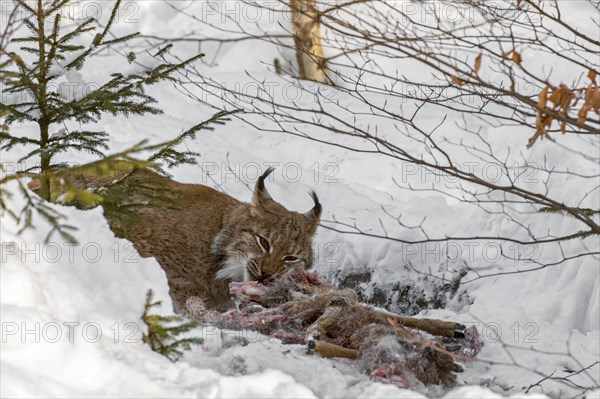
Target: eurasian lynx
[{"x": 204, "y": 239}]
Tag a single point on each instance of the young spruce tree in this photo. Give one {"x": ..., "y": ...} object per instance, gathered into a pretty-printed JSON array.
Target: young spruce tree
[
  {"x": 46, "y": 54},
  {"x": 30, "y": 77}
]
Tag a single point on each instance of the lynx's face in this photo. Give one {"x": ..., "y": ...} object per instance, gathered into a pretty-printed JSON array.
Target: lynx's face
[{"x": 267, "y": 239}]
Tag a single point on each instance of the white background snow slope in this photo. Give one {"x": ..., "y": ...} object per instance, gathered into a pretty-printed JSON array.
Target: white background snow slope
[{"x": 70, "y": 315}]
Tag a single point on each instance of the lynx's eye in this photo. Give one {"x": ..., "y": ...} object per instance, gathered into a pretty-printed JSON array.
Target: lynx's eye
[
  {"x": 263, "y": 243},
  {"x": 290, "y": 259}
]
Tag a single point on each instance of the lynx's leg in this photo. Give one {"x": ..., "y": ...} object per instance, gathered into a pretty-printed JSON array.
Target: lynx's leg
[{"x": 180, "y": 289}]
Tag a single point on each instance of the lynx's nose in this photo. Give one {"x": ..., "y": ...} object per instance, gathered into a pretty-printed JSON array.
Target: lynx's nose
[{"x": 264, "y": 277}]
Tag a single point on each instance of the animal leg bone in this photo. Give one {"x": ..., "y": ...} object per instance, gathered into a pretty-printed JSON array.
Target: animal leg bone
[{"x": 326, "y": 349}]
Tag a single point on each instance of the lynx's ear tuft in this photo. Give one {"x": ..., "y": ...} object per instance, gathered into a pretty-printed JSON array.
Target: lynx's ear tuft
[
  {"x": 313, "y": 216},
  {"x": 262, "y": 198}
]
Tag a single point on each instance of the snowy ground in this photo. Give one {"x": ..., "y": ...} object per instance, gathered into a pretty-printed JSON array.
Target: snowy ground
[{"x": 70, "y": 315}]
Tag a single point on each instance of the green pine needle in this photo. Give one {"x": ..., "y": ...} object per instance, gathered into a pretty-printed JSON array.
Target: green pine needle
[{"x": 164, "y": 332}]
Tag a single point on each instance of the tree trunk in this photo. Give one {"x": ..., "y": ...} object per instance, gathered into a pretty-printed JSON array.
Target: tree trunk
[
  {"x": 307, "y": 38},
  {"x": 45, "y": 162}
]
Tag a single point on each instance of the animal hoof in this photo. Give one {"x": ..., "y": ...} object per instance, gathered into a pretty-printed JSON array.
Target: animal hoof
[
  {"x": 459, "y": 331},
  {"x": 311, "y": 341},
  {"x": 252, "y": 307}
]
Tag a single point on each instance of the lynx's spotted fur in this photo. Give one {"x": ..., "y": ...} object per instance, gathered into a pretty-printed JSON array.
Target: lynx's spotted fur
[{"x": 203, "y": 238}]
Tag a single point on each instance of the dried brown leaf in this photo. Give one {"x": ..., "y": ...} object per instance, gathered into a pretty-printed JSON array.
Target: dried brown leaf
[
  {"x": 567, "y": 96},
  {"x": 555, "y": 96},
  {"x": 582, "y": 114},
  {"x": 592, "y": 75},
  {"x": 591, "y": 101},
  {"x": 457, "y": 80},
  {"x": 595, "y": 100},
  {"x": 561, "y": 97},
  {"x": 516, "y": 57},
  {"x": 477, "y": 64},
  {"x": 543, "y": 97}
]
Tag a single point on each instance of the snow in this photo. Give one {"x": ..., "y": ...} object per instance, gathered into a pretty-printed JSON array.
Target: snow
[
  {"x": 75, "y": 330},
  {"x": 46, "y": 289}
]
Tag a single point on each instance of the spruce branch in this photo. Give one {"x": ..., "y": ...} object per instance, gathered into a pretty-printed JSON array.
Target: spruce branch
[
  {"x": 169, "y": 155},
  {"x": 8, "y": 141},
  {"x": 122, "y": 94},
  {"x": 48, "y": 48},
  {"x": 164, "y": 331},
  {"x": 570, "y": 211},
  {"x": 36, "y": 205},
  {"x": 79, "y": 61},
  {"x": 62, "y": 182}
]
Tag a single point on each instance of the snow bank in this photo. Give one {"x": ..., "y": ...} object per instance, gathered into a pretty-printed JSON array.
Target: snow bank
[{"x": 71, "y": 328}]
